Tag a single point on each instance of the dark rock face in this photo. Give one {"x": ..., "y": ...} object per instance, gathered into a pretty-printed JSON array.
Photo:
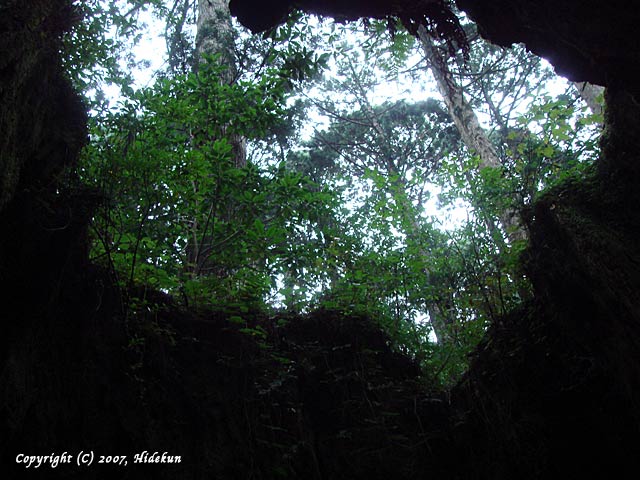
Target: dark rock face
[
  {"x": 259, "y": 16},
  {"x": 590, "y": 40},
  {"x": 435, "y": 15},
  {"x": 43, "y": 128},
  {"x": 558, "y": 380},
  {"x": 42, "y": 121},
  {"x": 42, "y": 254}
]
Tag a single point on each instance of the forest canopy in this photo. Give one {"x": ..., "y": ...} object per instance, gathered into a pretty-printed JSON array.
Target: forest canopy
[{"x": 350, "y": 166}]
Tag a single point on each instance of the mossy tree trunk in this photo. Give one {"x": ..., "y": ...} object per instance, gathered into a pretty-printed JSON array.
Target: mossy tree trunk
[
  {"x": 215, "y": 37},
  {"x": 472, "y": 133}
]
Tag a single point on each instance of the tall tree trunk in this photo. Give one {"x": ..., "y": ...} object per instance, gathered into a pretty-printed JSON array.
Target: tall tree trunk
[
  {"x": 215, "y": 37},
  {"x": 592, "y": 96},
  {"x": 475, "y": 138},
  {"x": 471, "y": 132}
]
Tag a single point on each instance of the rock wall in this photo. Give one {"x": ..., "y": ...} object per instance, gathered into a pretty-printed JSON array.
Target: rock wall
[{"x": 588, "y": 40}]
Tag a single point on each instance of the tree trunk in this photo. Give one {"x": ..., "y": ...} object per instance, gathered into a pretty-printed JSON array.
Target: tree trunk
[
  {"x": 593, "y": 96},
  {"x": 215, "y": 37},
  {"x": 471, "y": 132},
  {"x": 475, "y": 138}
]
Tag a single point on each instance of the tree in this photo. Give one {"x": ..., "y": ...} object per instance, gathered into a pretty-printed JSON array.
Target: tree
[
  {"x": 471, "y": 132},
  {"x": 341, "y": 219},
  {"x": 502, "y": 84},
  {"x": 182, "y": 199},
  {"x": 389, "y": 154},
  {"x": 389, "y": 158},
  {"x": 216, "y": 37}
]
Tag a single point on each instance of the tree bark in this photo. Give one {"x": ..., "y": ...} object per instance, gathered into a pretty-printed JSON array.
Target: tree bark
[
  {"x": 471, "y": 132},
  {"x": 593, "y": 96},
  {"x": 215, "y": 37}
]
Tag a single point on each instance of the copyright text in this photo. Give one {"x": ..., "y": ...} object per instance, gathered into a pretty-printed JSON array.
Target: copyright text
[{"x": 87, "y": 458}]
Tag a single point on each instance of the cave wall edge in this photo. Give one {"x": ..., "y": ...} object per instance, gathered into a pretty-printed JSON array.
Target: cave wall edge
[
  {"x": 560, "y": 379},
  {"x": 552, "y": 390},
  {"x": 52, "y": 380}
]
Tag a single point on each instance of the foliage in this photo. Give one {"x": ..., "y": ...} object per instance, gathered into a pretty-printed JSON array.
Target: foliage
[
  {"x": 98, "y": 49},
  {"x": 402, "y": 264},
  {"x": 353, "y": 217},
  {"x": 164, "y": 163}
]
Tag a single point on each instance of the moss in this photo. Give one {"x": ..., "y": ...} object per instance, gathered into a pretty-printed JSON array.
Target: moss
[
  {"x": 556, "y": 381},
  {"x": 38, "y": 108}
]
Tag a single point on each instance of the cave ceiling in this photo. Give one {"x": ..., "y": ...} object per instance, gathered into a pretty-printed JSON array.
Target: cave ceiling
[{"x": 585, "y": 40}]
